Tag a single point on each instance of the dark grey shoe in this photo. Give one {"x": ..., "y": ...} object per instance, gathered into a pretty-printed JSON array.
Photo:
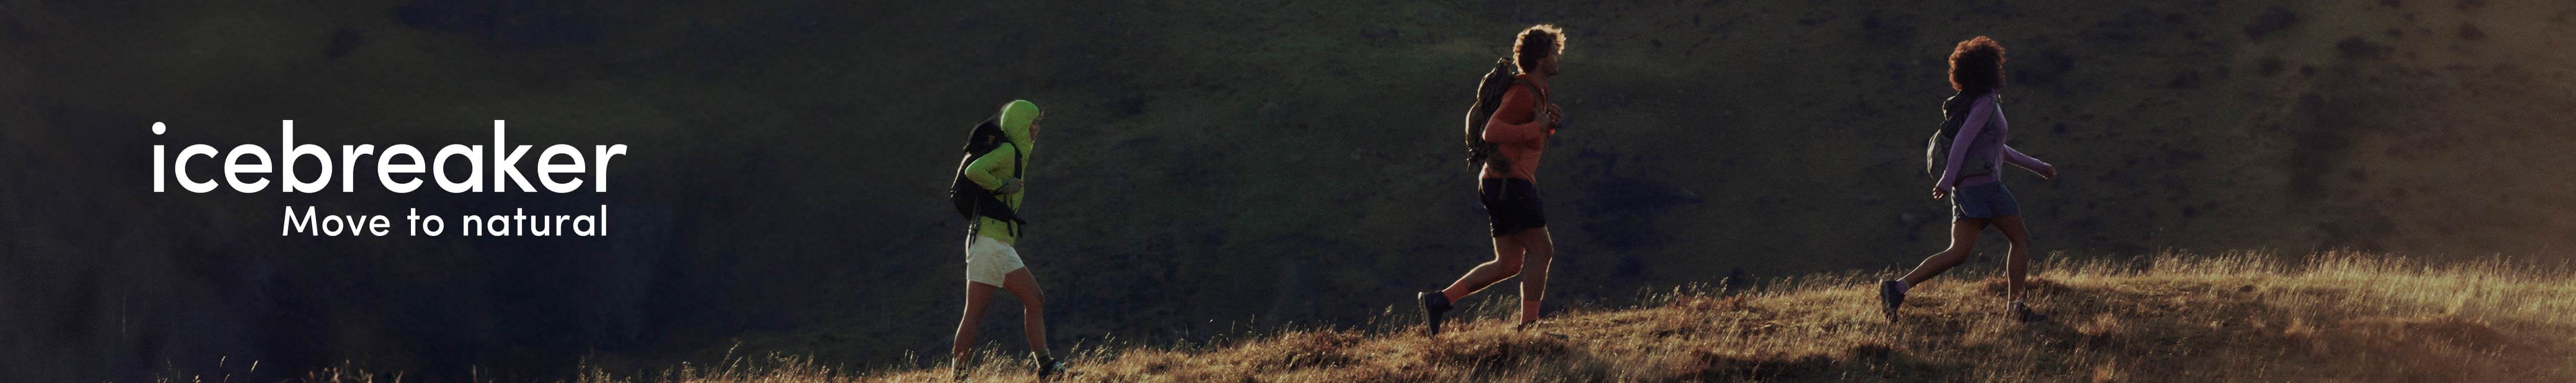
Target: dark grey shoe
[
  {"x": 2021, "y": 312},
  {"x": 1049, "y": 367},
  {"x": 1433, "y": 305},
  {"x": 1889, "y": 298}
]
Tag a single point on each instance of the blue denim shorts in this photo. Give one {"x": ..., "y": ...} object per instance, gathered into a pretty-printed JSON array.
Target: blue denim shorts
[{"x": 1982, "y": 202}]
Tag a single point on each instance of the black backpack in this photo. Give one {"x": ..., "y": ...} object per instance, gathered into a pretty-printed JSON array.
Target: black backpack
[
  {"x": 1489, "y": 97},
  {"x": 974, "y": 200},
  {"x": 1954, "y": 114}
]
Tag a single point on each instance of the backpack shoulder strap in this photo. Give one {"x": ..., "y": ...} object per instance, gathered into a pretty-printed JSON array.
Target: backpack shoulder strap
[
  {"x": 1018, "y": 161},
  {"x": 1534, "y": 88},
  {"x": 1018, "y": 158},
  {"x": 1982, "y": 101},
  {"x": 1537, "y": 105},
  {"x": 1954, "y": 112}
]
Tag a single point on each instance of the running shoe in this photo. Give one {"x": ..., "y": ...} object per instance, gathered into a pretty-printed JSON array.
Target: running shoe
[
  {"x": 1434, "y": 304},
  {"x": 1889, "y": 297},
  {"x": 1049, "y": 367},
  {"x": 2021, "y": 312}
]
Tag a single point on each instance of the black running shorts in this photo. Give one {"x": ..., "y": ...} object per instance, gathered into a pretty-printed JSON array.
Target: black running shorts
[{"x": 1511, "y": 204}]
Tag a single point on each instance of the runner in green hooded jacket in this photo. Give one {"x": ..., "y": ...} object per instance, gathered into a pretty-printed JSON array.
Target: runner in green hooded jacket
[{"x": 991, "y": 260}]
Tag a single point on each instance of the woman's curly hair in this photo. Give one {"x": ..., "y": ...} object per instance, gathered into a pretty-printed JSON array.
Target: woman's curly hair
[{"x": 1977, "y": 66}]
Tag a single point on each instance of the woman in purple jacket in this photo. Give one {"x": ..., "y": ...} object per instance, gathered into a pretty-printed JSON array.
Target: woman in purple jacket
[{"x": 1971, "y": 178}]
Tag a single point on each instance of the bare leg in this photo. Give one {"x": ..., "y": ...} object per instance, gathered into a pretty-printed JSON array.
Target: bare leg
[
  {"x": 2017, "y": 264},
  {"x": 1506, "y": 263},
  {"x": 978, "y": 295},
  {"x": 1539, "y": 251},
  {"x": 1032, "y": 305},
  {"x": 1963, "y": 239}
]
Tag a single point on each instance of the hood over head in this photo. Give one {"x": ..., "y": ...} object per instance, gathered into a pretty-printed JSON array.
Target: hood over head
[{"x": 1016, "y": 118}]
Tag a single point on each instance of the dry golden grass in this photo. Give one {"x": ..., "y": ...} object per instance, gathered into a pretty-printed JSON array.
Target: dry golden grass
[{"x": 2175, "y": 317}]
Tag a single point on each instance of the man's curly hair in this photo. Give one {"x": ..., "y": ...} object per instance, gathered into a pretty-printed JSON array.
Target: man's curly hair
[{"x": 1537, "y": 42}]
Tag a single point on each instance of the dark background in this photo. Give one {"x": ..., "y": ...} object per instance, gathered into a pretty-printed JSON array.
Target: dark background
[{"x": 1209, "y": 168}]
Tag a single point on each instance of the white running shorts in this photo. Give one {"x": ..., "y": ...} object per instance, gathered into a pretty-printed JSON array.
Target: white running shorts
[{"x": 987, "y": 260}]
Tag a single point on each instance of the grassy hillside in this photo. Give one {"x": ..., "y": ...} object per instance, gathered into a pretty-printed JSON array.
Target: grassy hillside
[{"x": 2173, "y": 317}]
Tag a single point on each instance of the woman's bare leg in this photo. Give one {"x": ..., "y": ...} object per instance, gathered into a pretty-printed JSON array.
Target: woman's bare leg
[
  {"x": 1032, "y": 306},
  {"x": 1506, "y": 263},
  {"x": 1538, "y": 251},
  {"x": 1963, "y": 240},
  {"x": 2017, "y": 264},
  {"x": 978, "y": 295}
]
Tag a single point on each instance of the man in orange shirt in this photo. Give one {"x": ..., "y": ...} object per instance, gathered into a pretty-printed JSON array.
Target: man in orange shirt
[{"x": 1519, "y": 127}]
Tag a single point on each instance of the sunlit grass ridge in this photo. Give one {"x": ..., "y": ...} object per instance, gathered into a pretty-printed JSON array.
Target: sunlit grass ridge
[
  {"x": 2337, "y": 316},
  {"x": 2239, "y": 316}
]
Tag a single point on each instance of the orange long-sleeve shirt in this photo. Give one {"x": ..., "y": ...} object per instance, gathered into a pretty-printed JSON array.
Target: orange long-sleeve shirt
[{"x": 1517, "y": 130}]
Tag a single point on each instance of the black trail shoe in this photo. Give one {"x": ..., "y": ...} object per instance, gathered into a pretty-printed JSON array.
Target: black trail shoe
[
  {"x": 1889, "y": 298},
  {"x": 1433, "y": 304},
  {"x": 1049, "y": 367},
  {"x": 2021, "y": 312}
]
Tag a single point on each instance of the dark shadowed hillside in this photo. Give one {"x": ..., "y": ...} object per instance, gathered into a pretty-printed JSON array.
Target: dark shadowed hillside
[{"x": 1208, "y": 167}]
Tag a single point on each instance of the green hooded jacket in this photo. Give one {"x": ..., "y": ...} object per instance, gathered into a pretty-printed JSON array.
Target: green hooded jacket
[{"x": 994, "y": 169}]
